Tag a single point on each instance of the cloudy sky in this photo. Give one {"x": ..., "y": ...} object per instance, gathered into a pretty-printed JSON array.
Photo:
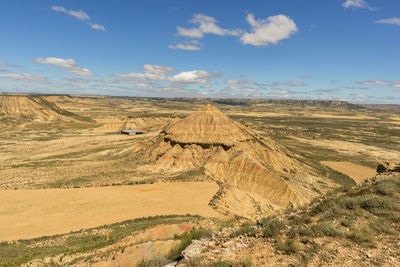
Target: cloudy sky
[{"x": 289, "y": 49}]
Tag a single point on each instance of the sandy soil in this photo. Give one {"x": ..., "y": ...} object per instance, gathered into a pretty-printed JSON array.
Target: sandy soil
[
  {"x": 33, "y": 213},
  {"x": 357, "y": 172}
]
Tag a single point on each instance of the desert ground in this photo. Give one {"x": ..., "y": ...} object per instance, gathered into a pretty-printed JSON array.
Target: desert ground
[
  {"x": 66, "y": 170},
  {"x": 34, "y": 213}
]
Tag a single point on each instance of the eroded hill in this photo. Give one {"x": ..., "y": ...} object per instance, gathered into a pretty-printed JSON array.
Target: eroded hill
[
  {"x": 256, "y": 175},
  {"x": 36, "y": 109}
]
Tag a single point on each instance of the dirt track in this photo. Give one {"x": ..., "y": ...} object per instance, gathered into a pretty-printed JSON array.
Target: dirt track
[{"x": 33, "y": 213}]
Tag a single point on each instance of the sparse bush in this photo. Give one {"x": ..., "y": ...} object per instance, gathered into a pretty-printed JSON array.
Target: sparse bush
[
  {"x": 288, "y": 247},
  {"x": 244, "y": 230},
  {"x": 271, "y": 227},
  {"x": 371, "y": 203},
  {"x": 324, "y": 229},
  {"x": 154, "y": 262},
  {"x": 387, "y": 187},
  {"x": 350, "y": 203},
  {"x": 348, "y": 221},
  {"x": 186, "y": 240},
  {"x": 360, "y": 235}
]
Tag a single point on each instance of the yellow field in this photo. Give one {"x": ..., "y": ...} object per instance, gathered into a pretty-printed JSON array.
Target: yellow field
[
  {"x": 357, "y": 172},
  {"x": 33, "y": 213}
]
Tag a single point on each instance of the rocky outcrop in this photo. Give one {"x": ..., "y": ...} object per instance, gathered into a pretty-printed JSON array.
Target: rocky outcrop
[
  {"x": 388, "y": 167},
  {"x": 231, "y": 154}
]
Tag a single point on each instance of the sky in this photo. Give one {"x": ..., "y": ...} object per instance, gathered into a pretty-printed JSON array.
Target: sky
[{"x": 286, "y": 49}]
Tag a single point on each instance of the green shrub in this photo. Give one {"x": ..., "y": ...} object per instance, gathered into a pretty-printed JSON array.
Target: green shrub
[
  {"x": 244, "y": 230},
  {"x": 387, "y": 187},
  {"x": 360, "y": 235},
  {"x": 288, "y": 247},
  {"x": 348, "y": 221},
  {"x": 324, "y": 229},
  {"x": 371, "y": 203},
  {"x": 154, "y": 262},
  {"x": 271, "y": 227},
  {"x": 186, "y": 239},
  {"x": 350, "y": 203}
]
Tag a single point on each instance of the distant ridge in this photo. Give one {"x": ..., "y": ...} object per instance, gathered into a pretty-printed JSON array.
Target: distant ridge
[{"x": 29, "y": 108}]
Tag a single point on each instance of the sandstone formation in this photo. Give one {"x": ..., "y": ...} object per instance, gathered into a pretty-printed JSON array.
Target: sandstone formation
[
  {"x": 252, "y": 169},
  {"x": 26, "y": 108}
]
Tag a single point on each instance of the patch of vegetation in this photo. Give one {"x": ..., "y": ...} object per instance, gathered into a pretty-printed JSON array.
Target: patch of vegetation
[
  {"x": 244, "y": 230},
  {"x": 361, "y": 235},
  {"x": 154, "y": 262},
  {"x": 325, "y": 229},
  {"x": 23, "y": 251},
  {"x": 271, "y": 227},
  {"x": 185, "y": 240},
  {"x": 288, "y": 247}
]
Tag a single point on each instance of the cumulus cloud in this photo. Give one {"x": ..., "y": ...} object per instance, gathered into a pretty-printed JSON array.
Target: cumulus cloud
[
  {"x": 156, "y": 73},
  {"x": 268, "y": 31},
  {"x": 357, "y": 4},
  {"x": 394, "y": 21},
  {"x": 394, "y": 84},
  {"x": 97, "y": 26},
  {"x": 290, "y": 83},
  {"x": 24, "y": 77},
  {"x": 76, "y": 80},
  {"x": 206, "y": 25},
  {"x": 194, "y": 76},
  {"x": 193, "y": 45},
  {"x": 230, "y": 81},
  {"x": 65, "y": 64},
  {"x": 376, "y": 82},
  {"x": 79, "y": 14},
  {"x": 157, "y": 68}
]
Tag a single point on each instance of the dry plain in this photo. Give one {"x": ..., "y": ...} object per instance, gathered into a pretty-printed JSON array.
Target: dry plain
[
  {"x": 71, "y": 172},
  {"x": 34, "y": 213}
]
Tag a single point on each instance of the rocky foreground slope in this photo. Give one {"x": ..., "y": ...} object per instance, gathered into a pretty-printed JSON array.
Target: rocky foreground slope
[
  {"x": 256, "y": 175},
  {"x": 358, "y": 226}
]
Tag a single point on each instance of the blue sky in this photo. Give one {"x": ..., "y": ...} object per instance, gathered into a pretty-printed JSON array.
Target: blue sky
[{"x": 290, "y": 49}]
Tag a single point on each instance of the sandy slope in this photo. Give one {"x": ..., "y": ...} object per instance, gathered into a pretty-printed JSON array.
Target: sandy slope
[{"x": 34, "y": 213}]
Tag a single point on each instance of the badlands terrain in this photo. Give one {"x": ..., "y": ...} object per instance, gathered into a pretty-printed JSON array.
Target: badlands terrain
[{"x": 250, "y": 182}]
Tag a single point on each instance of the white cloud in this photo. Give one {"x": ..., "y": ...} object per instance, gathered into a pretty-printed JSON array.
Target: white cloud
[
  {"x": 194, "y": 76},
  {"x": 230, "y": 81},
  {"x": 65, "y": 64},
  {"x": 157, "y": 68},
  {"x": 395, "y": 21},
  {"x": 76, "y": 80},
  {"x": 156, "y": 73},
  {"x": 192, "y": 33},
  {"x": 377, "y": 82},
  {"x": 190, "y": 47},
  {"x": 24, "y": 77},
  {"x": 79, "y": 14},
  {"x": 357, "y": 4},
  {"x": 394, "y": 84},
  {"x": 97, "y": 26},
  {"x": 268, "y": 31},
  {"x": 290, "y": 83},
  {"x": 206, "y": 25},
  {"x": 108, "y": 81}
]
